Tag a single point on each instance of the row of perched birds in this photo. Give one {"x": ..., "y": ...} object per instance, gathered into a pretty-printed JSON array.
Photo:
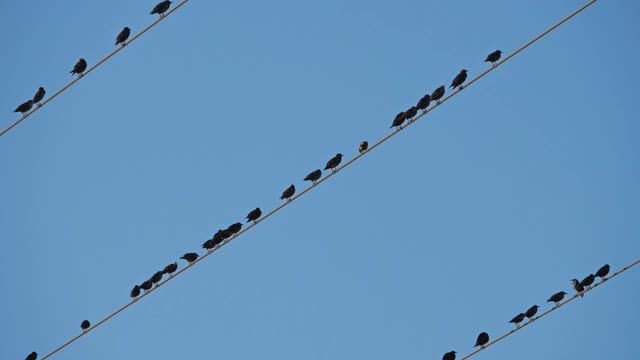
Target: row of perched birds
[
  {"x": 483, "y": 338},
  {"x": 81, "y": 65}
]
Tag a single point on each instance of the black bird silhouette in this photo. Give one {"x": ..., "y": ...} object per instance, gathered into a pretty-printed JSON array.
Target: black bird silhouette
[
  {"x": 400, "y": 118},
  {"x": 209, "y": 244},
  {"x": 363, "y": 147},
  {"x": 423, "y": 104},
  {"x": 531, "y": 312},
  {"x": 451, "y": 355},
  {"x": 411, "y": 112},
  {"x": 189, "y": 257},
  {"x": 603, "y": 272},
  {"x": 32, "y": 356},
  {"x": 313, "y": 176},
  {"x": 85, "y": 325},
  {"x": 79, "y": 67},
  {"x": 288, "y": 193},
  {"x": 39, "y": 95},
  {"x": 557, "y": 297},
  {"x": 437, "y": 94},
  {"x": 24, "y": 107},
  {"x": 254, "y": 214},
  {"x": 123, "y": 36},
  {"x": 157, "y": 277},
  {"x": 334, "y": 162},
  {"x": 147, "y": 285},
  {"x": 225, "y": 234},
  {"x": 135, "y": 292},
  {"x": 517, "y": 319},
  {"x": 170, "y": 269},
  {"x": 483, "y": 339},
  {"x": 161, "y": 8},
  {"x": 235, "y": 228},
  {"x": 578, "y": 287},
  {"x": 493, "y": 57},
  {"x": 459, "y": 79},
  {"x": 586, "y": 282}
]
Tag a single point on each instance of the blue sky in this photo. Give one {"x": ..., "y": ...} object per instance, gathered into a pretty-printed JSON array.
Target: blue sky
[{"x": 488, "y": 205}]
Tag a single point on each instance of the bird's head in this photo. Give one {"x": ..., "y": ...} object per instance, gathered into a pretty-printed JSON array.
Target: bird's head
[
  {"x": 574, "y": 280},
  {"x": 563, "y": 293},
  {"x": 499, "y": 52},
  {"x": 338, "y": 155},
  {"x": 464, "y": 71},
  {"x": 126, "y": 29}
]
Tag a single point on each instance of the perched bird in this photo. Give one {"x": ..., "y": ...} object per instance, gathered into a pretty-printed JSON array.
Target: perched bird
[
  {"x": 451, "y": 355},
  {"x": 557, "y": 297},
  {"x": 586, "y": 282},
  {"x": 157, "y": 277},
  {"x": 123, "y": 36},
  {"x": 79, "y": 67},
  {"x": 483, "y": 339},
  {"x": 189, "y": 257},
  {"x": 400, "y": 118},
  {"x": 363, "y": 147},
  {"x": 531, "y": 312},
  {"x": 493, "y": 57},
  {"x": 437, "y": 94},
  {"x": 161, "y": 8},
  {"x": 85, "y": 325},
  {"x": 411, "y": 112},
  {"x": 209, "y": 244},
  {"x": 235, "y": 228},
  {"x": 578, "y": 287},
  {"x": 32, "y": 356},
  {"x": 135, "y": 292},
  {"x": 459, "y": 79},
  {"x": 24, "y": 107},
  {"x": 603, "y": 271},
  {"x": 313, "y": 176},
  {"x": 288, "y": 193},
  {"x": 423, "y": 104},
  {"x": 254, "y": 214},
  {"x": 225, "y": 234},
  {"x": 334, "y": 162},
  {"x": 170, "y": 269},
  {"x": 147, "y": 285},
  {"x": 39, "y": 95},
  {"x": 517, "y": 319}
]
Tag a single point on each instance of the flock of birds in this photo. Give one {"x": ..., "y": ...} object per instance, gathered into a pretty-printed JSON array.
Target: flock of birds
[
  {"x": 578, "y": 286},
  {"x": 81, "y": 65}
]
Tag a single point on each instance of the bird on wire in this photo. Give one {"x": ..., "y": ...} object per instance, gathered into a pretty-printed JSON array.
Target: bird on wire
[
  {"x": 424, "y": 102},
  {"x": 363, "y": 147},
  {"x": 24, "y": 107},
  {"x": 170, "y": 269},
  {"x": 410, "y": 113},
  {"x": 235, "y": 228},
  {"x": 313, "y": 176},
  {"x": 254, "y": 215},
  {"x": 85, "y": 325},
  {"x": 397, "y": 122},
  {"x": 517, "y": 319},
  {"x": 32, "y": 356},
  {"x": 161, "y": 8},
  {"x": 437, "y": 94},
  {"x": 189, "y": 257},
  {"x": 79, "y": 67},
  {"x": 135, "y": 292},
  {"x": 334, "y": 162},
  {"x": 482, "y": 340},
  {"x": 586, "y": 282},
  {"x": 459, "y": 80},
  {"x": 287, "y": 194},
  {"x": 39, "y": 96},
  {"x": 577, "y": 287},
  {"x": 557, "y": 297},
  {"x": 123, "y": 36},
  {"x": 147, "y": 285},
  {"x": 531, "y": 312},
  {"x": 493, "y": 57},
  {"x": 156, "y": 278},
  {"x": 451, "y": 355},
  {"x": 603, "y": 272}
]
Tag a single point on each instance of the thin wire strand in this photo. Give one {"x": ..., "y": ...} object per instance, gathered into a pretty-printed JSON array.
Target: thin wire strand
[
  {"x": 289, "y": 201},
  {"x": 552, "y": 309},
  {"x": 42, "y": 104}
]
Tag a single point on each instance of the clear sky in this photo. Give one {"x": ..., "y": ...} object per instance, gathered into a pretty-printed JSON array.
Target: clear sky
[{"x": 488, "y": 205}]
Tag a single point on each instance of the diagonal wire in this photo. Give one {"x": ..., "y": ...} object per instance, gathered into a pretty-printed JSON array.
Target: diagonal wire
[
  {"x": 272, "y": 212},
  {"x": 92, "y": 68},
  {"x": 552, "y": 309}
]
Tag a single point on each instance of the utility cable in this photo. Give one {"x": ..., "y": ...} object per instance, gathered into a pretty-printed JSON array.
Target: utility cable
[{"x": 43, "y": 103}]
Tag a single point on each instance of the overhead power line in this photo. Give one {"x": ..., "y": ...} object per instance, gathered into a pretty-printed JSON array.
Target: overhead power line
[
  {"x": 321, "y": 180},
  {"x": 119, "y": 48}
]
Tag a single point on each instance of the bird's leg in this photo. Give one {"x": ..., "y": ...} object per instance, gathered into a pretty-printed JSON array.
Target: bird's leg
[{"x": 461, "y": 87}]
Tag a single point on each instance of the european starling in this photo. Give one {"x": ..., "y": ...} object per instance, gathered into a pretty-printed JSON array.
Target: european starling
[
  {"x": 459, "y": 79},
  {"x": 123, "y": 36},
  {"x": 288, "y": 193},
  {"x": 557, "y": 297},
  {"x": 24, "y": 107},
  {"x": 493, "y": 57},
  {"x": 147, "y": 285},
  {"x": 39, "y": 95},
  {"x": 363, "y": 147},
  {"x": 334, "y": 162},
  {"x": 135, "y": 292},
  {"x": 161, "y": 8},
  {"x": 517, "y": 319},
  {"x": 531, "y": 312},
  {"x": 400, "y": 118},
  {"x": 586, "y": 282},
  {"x": 32, "y": 356},
  {"x": 254, "y": 214},
  {"x": 437, "y": 94},
  {"x": 235, "y": 228},
  {"x": 224, "y": 235},
  {"x": 578, "y": 287},
  {"x": 423, "y": 104},
  {"x": 170, "y": 269},
  {"x": 483, "y": 339},
  {"x": 157, "y": 277},
  {"x": 411, "y": 112},
  {"x": 85, "y": 325},
  {"x": 451, "y": 355},
  {"x": 313, "y": 176},
  {"x": 189, "y": 257},
  {"x": 603, "y": 271},
  {"x": 209, "y": 244},
  {"x": 79, "y": 67}
]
